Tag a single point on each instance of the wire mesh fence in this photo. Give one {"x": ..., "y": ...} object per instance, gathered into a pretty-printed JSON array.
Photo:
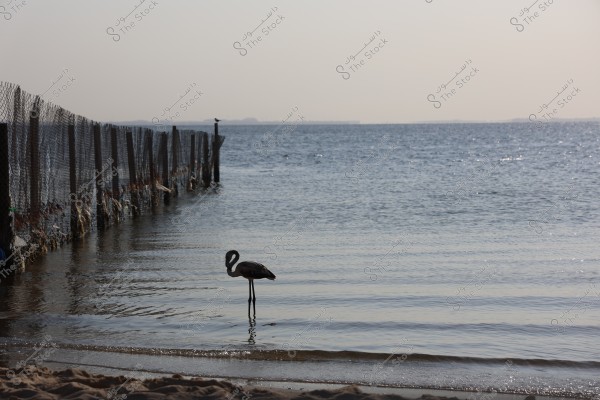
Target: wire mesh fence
[{"x": 68, "y": 175}]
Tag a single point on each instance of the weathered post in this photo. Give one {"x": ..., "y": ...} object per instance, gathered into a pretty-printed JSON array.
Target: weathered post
[
  {"x": 205, "y": 161},
  {"x": 133, "y": 184},
  {"x": 199, "y": 158},
  {"x": 34, "y": 152},
  {"x": 216, "y": 156},
  {"x": 73, "y": 196},
  {"x": 192, "y": 175},
  {"x": 114, "y": 145},
  {"x": 99, "y": 173},
  {"x": 175, "y": 159},
  {"x": 164, "y": 154},
  {"x": 16, "y": 128},
  {"x": 153, "y": 195},
  {"x": 6, "y": 234}
]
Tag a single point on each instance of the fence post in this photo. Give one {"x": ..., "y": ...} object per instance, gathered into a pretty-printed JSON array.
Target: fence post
[
  {"x": 115, "y": 163},
  {"x": 205, "y": 161},
  {"x": 6, "y": 234},
  {"x": 99, "y": 173},
  {"x": 164, "y": 154},
  {"x": 73, "y": 196},
  {"x": 199, "y": 163},
  {"x": 133, "y": 187},
  {"x": 153, "y": 195},
  {"x": 15, "y": 121},
  {"x": 216, "y": 157},
  {"x": 34, "y": 151},
  {"x": 192, "y": 176},
  {"x": 175, "y": 159}
]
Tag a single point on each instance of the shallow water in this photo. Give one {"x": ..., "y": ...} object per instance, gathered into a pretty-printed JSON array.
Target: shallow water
[{"x": 464, "y": 240}]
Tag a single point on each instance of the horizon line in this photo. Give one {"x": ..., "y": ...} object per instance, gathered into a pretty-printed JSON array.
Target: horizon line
[{"x": 258, "y": 122}]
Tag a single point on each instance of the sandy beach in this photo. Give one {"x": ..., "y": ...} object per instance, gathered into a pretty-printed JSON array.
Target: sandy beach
[
  {"x": 300, "y": 200},
  {"x": 43, "y": 383}
]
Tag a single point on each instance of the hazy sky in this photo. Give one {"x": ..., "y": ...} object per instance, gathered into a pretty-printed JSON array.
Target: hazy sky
[{"x": 514, "y": 67}]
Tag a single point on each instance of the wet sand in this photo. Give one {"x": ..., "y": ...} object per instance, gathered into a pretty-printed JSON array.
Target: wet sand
[{"x": 43, "y": 383}]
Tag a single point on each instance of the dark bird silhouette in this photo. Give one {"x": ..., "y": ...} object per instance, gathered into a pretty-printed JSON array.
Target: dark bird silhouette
[
  {"x": 248, "y": 269},
  {"x": 217, "y": 120}
]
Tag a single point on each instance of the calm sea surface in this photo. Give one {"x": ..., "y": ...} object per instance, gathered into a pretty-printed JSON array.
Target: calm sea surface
[{"x": 459, "y": 256}]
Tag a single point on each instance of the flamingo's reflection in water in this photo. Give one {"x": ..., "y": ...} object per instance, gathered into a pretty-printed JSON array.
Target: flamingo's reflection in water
[{"x": 252, "y": 328}]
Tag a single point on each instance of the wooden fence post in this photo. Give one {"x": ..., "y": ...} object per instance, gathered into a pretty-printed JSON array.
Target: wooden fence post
[
  {"x": 205, "y": 161},
  {"x": 192, "y": 179},
  {"x": 16, "y": 128},
  {"x": 199, "y": 163},
  {"x": 6, "y": 233},
  {"x": 73, "y": 195},
  {"x": 164, "y": 154},
  {"x": 216, "y": 156},
  {"x": 115, "y": 163},
  {"x": 34, "y": 152},
  {"x": 175, "y": 160},
  {"x": 99, "y": 182},
  {"x": 153, "y": 195},
  {"x": 133, "y": 184}
]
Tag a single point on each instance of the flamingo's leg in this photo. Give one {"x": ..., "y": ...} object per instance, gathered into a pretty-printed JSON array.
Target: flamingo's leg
[
  {"x": 249, "y": 290},
  {"x": 249, "y": 295},
  {"x": 254, "y": 297}
]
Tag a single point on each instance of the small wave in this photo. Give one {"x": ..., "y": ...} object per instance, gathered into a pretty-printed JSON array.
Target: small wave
[{"x": 317, "y": 355}]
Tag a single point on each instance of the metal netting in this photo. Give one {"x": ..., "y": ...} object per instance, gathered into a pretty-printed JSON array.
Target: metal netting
[{"x": 58, "y": 192}]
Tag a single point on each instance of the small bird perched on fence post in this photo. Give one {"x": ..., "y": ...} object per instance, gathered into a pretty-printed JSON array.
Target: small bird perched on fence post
[{"x": 248, "y": 269}]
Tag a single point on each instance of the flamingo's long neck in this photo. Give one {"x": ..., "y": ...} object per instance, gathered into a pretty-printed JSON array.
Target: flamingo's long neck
[{"x": 230, "y": 262}]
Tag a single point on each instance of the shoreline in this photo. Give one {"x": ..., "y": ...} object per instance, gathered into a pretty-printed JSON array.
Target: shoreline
[
  {"x": 77, "y": 383},
  {"x": 468, "y": 381}
]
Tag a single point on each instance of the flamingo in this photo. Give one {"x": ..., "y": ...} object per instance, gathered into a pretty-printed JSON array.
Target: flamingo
[{"x": 248, "y": 269}]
